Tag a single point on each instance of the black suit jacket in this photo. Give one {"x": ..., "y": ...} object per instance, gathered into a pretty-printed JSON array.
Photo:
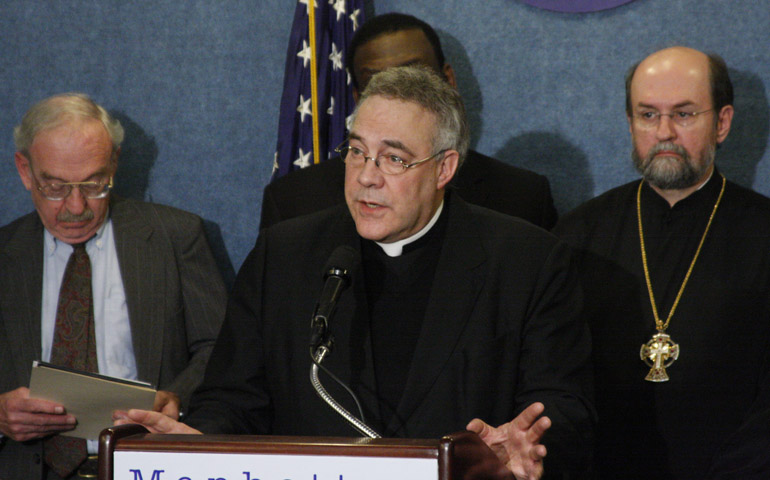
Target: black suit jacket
[
  {"x": 174, "y": 292},
  {"x": 481, "y": 180},
  {"x": 501, "y": 331}
]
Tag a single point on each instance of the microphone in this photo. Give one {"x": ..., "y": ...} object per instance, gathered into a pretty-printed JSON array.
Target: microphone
[{"x": 337, "y": 278}]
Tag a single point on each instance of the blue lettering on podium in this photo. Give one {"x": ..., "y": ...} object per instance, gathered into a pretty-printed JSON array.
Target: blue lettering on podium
[
  {"x": 138, "y": 474},
  {"x": 249, "y": 477}
]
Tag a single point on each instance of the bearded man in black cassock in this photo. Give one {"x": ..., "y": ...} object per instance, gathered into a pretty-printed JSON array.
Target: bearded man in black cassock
[{"x": 676, "y": 270}]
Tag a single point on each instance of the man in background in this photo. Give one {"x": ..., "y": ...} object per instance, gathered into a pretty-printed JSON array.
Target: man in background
[
  {"x": 676, "y": 272},
  {"x": 391, "y": 40},
  {"x": 96, "y": 283}
]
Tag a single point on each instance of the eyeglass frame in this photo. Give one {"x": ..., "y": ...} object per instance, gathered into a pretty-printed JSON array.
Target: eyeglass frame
[
  {"x": 105, "y": 191},
  {"x": 658, "y": 115},
  {"x": 404, "y": 166}
]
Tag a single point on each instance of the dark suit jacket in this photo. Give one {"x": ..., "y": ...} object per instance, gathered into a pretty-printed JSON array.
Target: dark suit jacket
[
  {"x": 174, "y": 291},
  {"x": 481, "y": 180},
  {"x": 501, "y": 331}
]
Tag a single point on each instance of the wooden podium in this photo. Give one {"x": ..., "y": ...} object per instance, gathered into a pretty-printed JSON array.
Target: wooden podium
[{"x": 128, "y": 452}]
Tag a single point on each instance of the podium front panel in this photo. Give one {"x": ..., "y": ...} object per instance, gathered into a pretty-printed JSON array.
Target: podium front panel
[
  {"x": 128, "y": 452},
  {"x": 252, "y": 466},
  {"x": 229, "y": 457}
]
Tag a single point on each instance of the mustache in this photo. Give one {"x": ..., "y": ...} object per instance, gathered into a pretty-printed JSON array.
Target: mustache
[
  {"x": 667, "y": 147},
  {"x": 67, "y": 217}
]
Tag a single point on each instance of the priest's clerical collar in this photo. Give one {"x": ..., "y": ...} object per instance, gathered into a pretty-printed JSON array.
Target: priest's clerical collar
[{"x": 396, "y": 248}]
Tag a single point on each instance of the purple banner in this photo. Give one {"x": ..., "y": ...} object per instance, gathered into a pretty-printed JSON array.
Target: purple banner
[{"x": 576, "y": 6}]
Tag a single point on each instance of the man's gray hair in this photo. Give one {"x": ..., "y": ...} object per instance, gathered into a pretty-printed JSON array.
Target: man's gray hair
[
  {"x": 421, "y": 85},
  {"x": 55, "y": 111}
]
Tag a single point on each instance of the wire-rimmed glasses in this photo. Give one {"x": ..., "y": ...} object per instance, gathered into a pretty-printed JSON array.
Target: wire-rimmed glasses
[
  {"x": 387, "y": 163},
  {"x": 683, "y": 118},
  {"x": 60, "y": 190}
]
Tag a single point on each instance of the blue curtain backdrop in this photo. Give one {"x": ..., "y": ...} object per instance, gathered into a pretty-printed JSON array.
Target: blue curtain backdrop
[{"x": 198, "y": 85}]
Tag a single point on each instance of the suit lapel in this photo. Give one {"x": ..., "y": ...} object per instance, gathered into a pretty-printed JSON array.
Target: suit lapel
[
  {"x": 361, "y": 354},
  {"x": 352, "y": 354},
  {"x": 21, "y": 281},
  {"x": 143, "y": 274},
  {"x": 456, "y": 286}
]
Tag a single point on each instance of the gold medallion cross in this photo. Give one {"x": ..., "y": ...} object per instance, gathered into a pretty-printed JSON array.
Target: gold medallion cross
[{"x": 659, "y": 353}]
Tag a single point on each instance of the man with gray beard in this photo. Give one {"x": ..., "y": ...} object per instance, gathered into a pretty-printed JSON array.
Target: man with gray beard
[{"x": 676, "y": 273}]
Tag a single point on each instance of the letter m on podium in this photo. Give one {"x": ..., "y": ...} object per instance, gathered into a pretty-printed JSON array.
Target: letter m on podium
[{"x": 155, "y": 474}]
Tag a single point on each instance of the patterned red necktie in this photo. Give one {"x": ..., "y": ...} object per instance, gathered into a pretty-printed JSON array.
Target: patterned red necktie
[{"x": 74, "y": 346}]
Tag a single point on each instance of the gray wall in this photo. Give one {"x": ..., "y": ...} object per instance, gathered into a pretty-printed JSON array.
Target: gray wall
[{"x": 197, "y": 83}]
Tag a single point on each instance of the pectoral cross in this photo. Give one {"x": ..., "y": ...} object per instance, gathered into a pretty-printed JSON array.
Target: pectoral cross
[{"x": 659, "y": 353}]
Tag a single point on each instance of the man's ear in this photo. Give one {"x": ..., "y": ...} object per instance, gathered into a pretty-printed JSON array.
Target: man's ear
[
  {"x": 449, "y": 74},
  {"x": 25, "y": 170},
  {"x": 724, "y": 121},
  {"x": 447, "y": 168}
]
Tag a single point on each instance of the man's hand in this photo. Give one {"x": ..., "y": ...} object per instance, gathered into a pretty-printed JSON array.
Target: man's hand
[
  {"x": 517, "y": 443},
  {"x": 155, "y": 422},
  {"x": 23, "y": 418},
  {"x": 167, "y": 403}
]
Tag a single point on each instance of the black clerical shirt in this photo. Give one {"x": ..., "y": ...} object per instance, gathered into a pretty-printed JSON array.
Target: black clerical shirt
[
  {"x": 398, "y": 289},
  {"x": 672, "y": 235}
]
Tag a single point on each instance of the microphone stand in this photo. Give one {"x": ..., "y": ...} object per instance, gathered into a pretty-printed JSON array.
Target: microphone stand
[{"x": 318, "y": 353}]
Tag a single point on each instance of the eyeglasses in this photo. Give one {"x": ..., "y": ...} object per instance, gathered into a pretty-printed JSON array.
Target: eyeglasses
[
  {"x": 682, "y": 118},
  {"x": 60, "y": 191},
  {"x": 388, "y": 164}
]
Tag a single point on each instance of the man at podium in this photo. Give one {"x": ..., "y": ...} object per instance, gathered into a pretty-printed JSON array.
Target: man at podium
[{"x": 454, "y": 312}]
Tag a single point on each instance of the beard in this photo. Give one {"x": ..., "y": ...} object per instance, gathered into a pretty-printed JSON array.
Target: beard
[{"x": 669, "y": 172}]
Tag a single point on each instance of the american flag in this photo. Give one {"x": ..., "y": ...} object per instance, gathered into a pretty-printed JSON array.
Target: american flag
[{"x": 335, "y": 22}]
